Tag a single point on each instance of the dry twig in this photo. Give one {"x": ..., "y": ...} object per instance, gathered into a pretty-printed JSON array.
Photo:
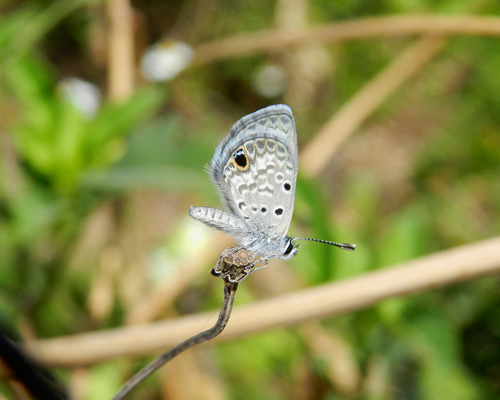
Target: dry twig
[
  {"x": 347, "y": 120},
  {"x": 278, "y": 40},
  {"x": 225, "y": 312},
  {"x": 436, "y": 270},
  {"x": 120, "y": 49}
]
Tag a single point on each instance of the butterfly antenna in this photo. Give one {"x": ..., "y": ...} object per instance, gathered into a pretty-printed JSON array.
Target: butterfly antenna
[{"x": 343, "y": 246}]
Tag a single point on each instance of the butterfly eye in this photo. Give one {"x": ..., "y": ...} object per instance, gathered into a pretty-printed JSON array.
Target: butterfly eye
[
  {"x": 240, "y": 159},
  {"x": 289, "y": 248}
]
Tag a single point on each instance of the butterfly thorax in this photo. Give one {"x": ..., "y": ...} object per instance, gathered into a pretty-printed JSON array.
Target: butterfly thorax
[{"x": 270, "y": 247}]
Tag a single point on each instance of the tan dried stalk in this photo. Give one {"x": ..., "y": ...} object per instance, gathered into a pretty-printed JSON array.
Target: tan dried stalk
[
  {"x": 332, "y": 299},
  {"x": 278, "y": 40}
]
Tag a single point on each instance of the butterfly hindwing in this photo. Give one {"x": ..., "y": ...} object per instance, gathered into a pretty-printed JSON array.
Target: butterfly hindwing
[{"x": 255, "y": 170}]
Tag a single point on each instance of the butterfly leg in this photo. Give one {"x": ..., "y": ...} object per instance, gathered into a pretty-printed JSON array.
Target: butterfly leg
[{"x": 253, "y": 267}]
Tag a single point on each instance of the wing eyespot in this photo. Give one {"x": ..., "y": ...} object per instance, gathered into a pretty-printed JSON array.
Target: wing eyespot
[{"x": 240, "y": 159}]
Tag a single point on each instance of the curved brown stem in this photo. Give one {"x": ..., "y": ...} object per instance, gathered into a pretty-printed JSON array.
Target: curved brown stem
[{"x": 225, "y": 312}]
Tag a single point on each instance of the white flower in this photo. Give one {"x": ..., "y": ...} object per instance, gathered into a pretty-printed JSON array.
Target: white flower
[
  {"x": 84, "y": 95},
  {"x": 166, "y": 60}
]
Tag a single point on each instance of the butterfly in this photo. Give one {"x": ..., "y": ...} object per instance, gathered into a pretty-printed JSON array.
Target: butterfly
[{"x": 254, "y": 169}]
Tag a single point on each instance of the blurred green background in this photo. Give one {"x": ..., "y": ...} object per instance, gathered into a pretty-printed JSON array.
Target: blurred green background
[{"x": 95, "y": 187}]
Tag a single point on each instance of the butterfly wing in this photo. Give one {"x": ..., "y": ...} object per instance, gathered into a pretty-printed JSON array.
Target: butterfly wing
[{"x": 255, "y": 170}]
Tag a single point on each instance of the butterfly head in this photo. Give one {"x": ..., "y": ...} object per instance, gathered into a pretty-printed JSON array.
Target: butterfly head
[{"x": 289, "y": 249}]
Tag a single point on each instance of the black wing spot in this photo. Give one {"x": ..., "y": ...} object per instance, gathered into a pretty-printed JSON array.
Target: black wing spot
[
  {"x": 287, "y": 186},
  {"x": 241, "y": 205},
  {"x": 263, "y": 209},
  {"x": 278, "y": 211}
]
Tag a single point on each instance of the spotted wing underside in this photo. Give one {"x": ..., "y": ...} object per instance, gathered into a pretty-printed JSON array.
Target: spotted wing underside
[{"x": 255, "y": 170}]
